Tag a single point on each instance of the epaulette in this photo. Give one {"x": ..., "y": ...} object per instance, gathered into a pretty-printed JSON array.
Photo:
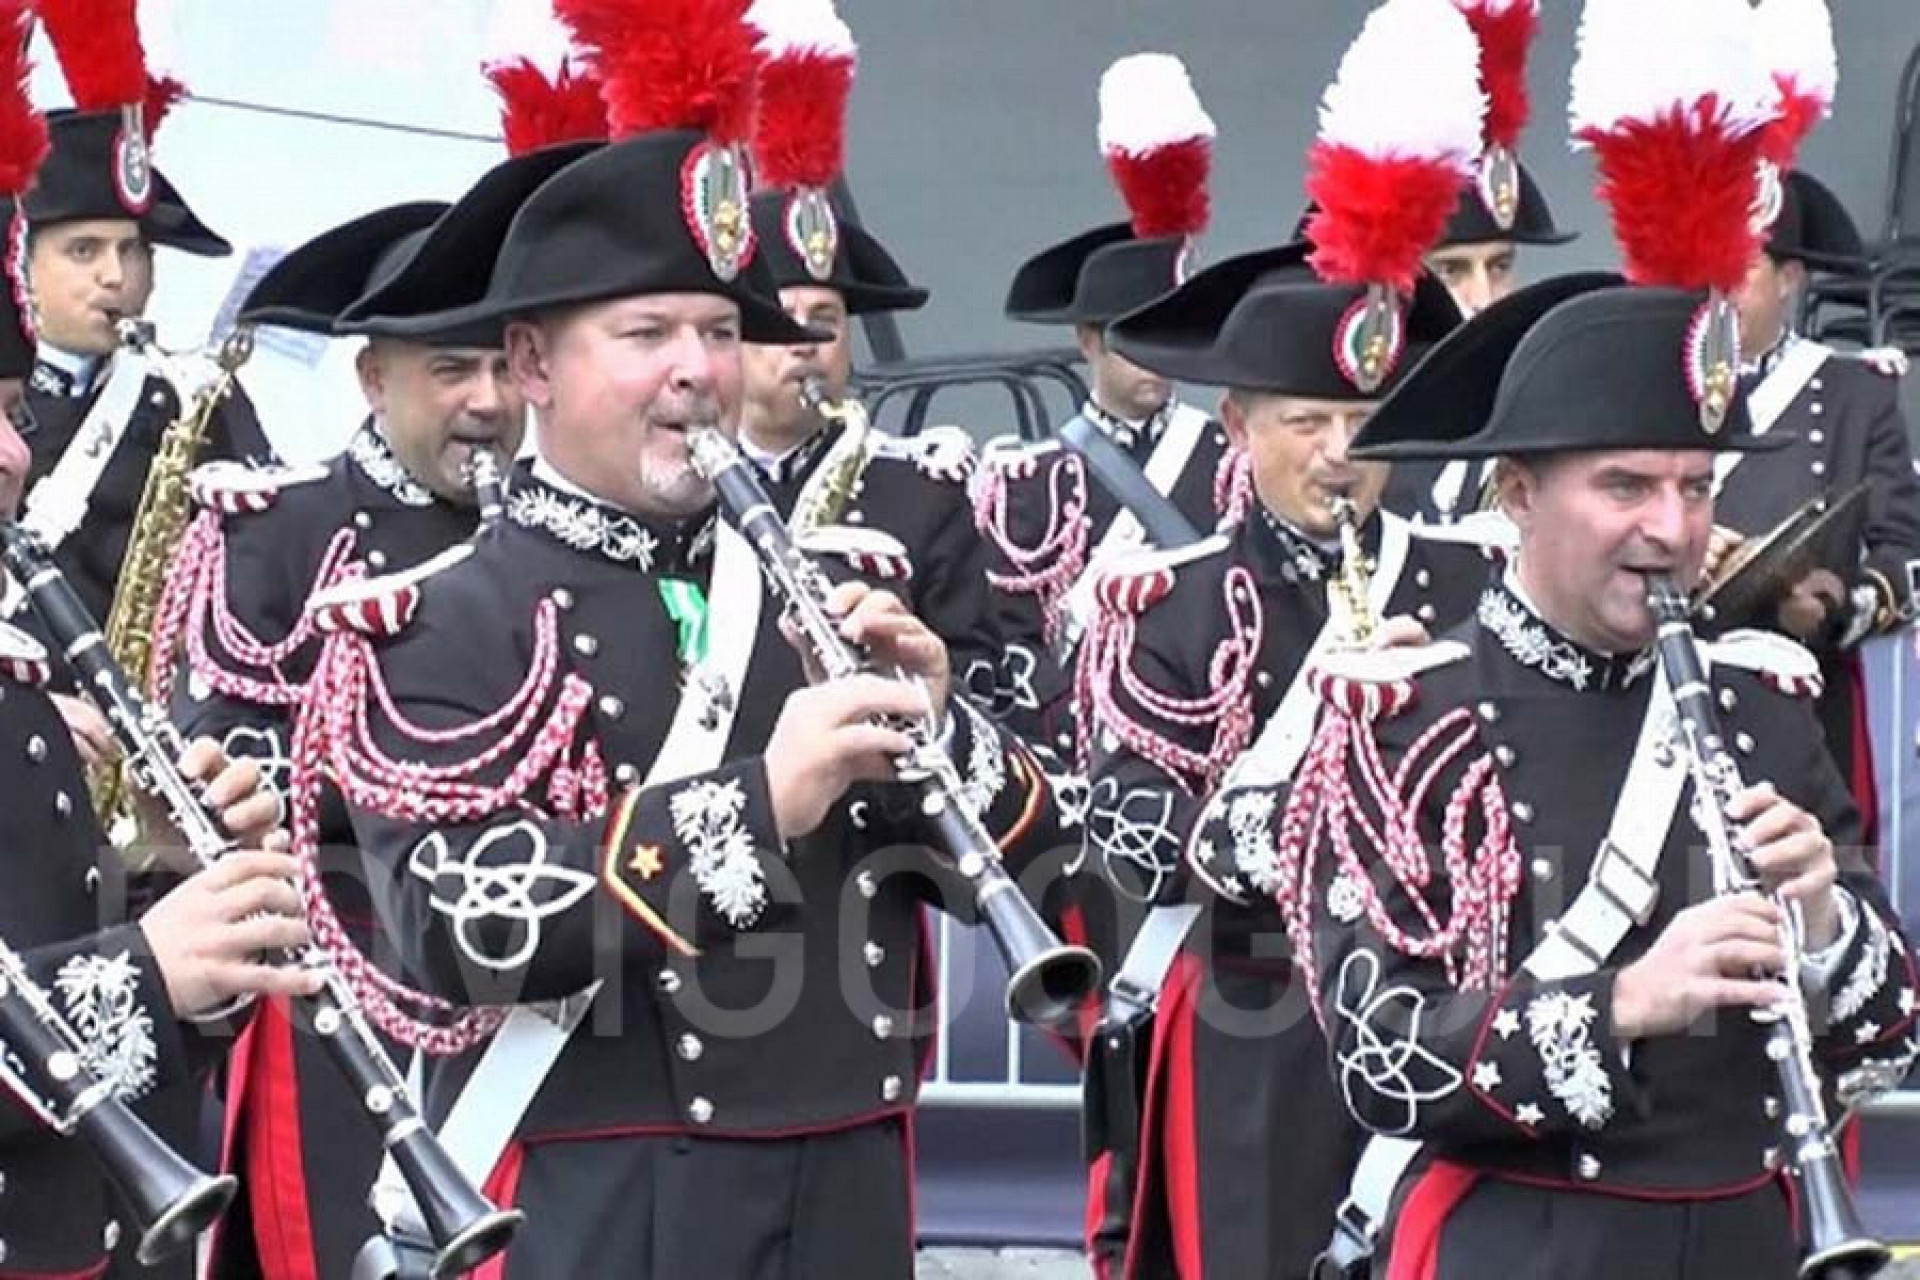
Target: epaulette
[
  {"x": 235, "y": 488},
  {"x": 1138, "y": 580},
  {"x": 381, "y": 606},
  {"x": 23, "y": 659},
  {"x": 1378, "y": 684},
  {"x": 1783, "y": 665},
  {"x": 1016, "y": 458},
  {"x": 1493, "y": 532},
  {"x": 1888, "y": 362},
  {"x": 870, "y": 552},
  {"x": 941, "y": 453}
]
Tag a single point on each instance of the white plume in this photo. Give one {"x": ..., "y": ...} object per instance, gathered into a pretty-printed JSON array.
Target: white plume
[
  {"x": 1637, "y": 58},
  {"x": 1499, "y": 6},
  {"x": 788, "y": 26},
  {"x": 1795, "y": 38},
  {"x": 1409, "y": 86},
  {"x": 1147, "y": 101},
  {"x": 526, "y": 29}
]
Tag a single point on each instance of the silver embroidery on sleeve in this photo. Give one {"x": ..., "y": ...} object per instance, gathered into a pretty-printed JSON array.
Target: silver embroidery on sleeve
[
  {"x": 1382, "y": 1056},
  {"x": 523, "y": 890},
  {"x": 1561, "y": 1028},
  {"x": 102, "y": 997},
  {"x": 986, "y": 762},
  {"x": 1132, "y": 831},
  {"x": 707, "y": 817},
  {"x": 1870, "y": 973},
  {"x": 1256, "y": 853}
]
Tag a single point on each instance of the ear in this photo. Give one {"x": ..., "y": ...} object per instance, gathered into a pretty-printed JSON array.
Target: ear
[
  {"x": 1516, "y": 488},
  {"x": 528, "y": 347},
  {"x": 1234, "y": 418},
  {"x": 372, "y": 372},
  {"x": 1793, "y": 278},
  {"x": 1091, "y": 340}
]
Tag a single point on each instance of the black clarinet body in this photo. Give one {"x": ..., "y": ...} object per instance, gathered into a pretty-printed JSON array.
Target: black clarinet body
[
  {"x": 1048, "y": 980},
  {"x": 1839, "y": 1247},
  {"x": 466, "y": 1229}
]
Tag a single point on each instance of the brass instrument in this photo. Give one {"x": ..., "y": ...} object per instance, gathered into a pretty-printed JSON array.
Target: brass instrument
[
  {"x": 43, "y": 1058},
  {"x": 1839, "y": 1246},
  {"x": 465, "y": 1229},
  {"x": 1349, "y": 609},
  {"x": 161, "y": 521},
  {"x": 1050, "y": 980},
  {"x": 837, "y": 478}
]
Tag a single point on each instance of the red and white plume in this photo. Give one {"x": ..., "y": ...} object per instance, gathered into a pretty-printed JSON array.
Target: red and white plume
[
  {"x": 808, "y": 60},
  {"x": 1795, "y": 40},
  {"x": 23, "y": 130},
  {"x": 544, "y": 98},
  {"x": 97, "y": 43},
  {"x": 1674, "y": 103},
  {"x": 1399, "y": 134},
  {"x": 669, "y": 64},
  {"x": 1158, "y": 144},
  {"x": 1505, "y": 29}
]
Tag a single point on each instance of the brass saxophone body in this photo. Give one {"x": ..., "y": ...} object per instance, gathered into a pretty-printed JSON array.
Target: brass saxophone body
[
  {"x": 199, "y": 385},
  {"x": 1349, "y": 607},
  {"x": 834, "y": 482}
]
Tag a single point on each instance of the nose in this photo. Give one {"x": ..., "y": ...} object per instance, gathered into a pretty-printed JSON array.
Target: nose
[
  {"x": 486, "y": 396},
  {"x": 692, "y": 362},
  {"x": 1663, "y": 520},
  {"x": 1476, "y": 290}
]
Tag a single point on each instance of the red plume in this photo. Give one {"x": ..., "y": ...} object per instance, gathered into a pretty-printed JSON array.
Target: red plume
[
  {"x": 1681, "y": 189},
  {"x": 537, "y": 112},
  {"x": 23, "y": 131},
  {"x": 162, "y": 92},
  {"x": 800, "y": 123},
  {"x": 669, "y": 64},
  {"x": 1799, "y": 112},
  {"x": 1165, "y": 188},
  {"x": 1505, "y": 33},
  {"x": 98, "y": 45},
  {"x": 1374, "y": 217}
]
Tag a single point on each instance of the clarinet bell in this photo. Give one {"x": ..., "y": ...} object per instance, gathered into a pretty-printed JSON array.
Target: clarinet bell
[
  {"x": 171, "y": 1200},
  {"x": 1050, "y": 981},
  {"x": 480, "y": 1239},
  {"x": 1839, "y": 1246}
]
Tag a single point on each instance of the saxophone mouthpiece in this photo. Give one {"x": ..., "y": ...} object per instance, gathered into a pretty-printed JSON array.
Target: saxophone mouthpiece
[
  {"x": 813, "y": 394},
  {"x": 133, "y": 331}
]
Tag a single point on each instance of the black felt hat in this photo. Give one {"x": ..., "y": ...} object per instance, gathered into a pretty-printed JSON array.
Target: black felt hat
[
  {"x": 76, "y": 183},
  {"x": 1473, "y": 222},
  {"x": 1095, "y": 277},
  {"x": 613, "y": 222},
  {"x": 1570, "y": 364},
  {"x": 314, "y": 283},
  {"x": 1813, "y": 226},
  {"x": 1264, "y": 321},
  {"x": 863, "y": 272}
]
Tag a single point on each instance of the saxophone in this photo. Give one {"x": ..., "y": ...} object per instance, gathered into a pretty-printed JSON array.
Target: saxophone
[
  {"x": 1349, "y": 610},
  {"x": 837, "y": 479},
  {"x": 199, "y": 385}
]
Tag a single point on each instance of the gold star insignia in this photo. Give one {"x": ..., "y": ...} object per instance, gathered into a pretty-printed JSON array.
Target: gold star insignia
[{"x": 646, "y": 861}]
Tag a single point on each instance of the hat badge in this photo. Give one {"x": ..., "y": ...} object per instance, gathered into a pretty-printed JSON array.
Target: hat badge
[
  {"x": 1370, "y": 338},
  {"x": 813, "y": 232},
  {"x": 1769, "y": 198},
  {"x": 1498, "y": 183},
  {"x": 1712, "y": 360},
  {"x": 713, "y": 199},
  {"x": 132, "y": 161}
]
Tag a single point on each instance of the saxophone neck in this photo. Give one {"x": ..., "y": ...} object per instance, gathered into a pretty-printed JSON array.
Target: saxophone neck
[{"x": 1349, "y": 593}]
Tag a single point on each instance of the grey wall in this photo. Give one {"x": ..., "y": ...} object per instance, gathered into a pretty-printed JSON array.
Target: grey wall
[{"x": 972, "y": 140}]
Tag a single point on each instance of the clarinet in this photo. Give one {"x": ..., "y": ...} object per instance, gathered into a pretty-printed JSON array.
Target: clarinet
[
  {"x": 1049, "y": 980},
  {"x": 489, "y": 485},
  {"x": 1839, "y": 1246},
  {"x": 466, "y": 1229},
  {"x": 43, "y": 1058}
]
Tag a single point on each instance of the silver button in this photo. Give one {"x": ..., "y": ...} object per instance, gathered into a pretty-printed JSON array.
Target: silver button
[
  {"x": 882, "y": 1026},
  {"x": 1264, "y": 679},
  {"x": 626, "y": 774},
  {"x": 1488, "y": 712},
  {"x": 1588, "y": 1166},
  {"x": 562, "y": 598},
  {"x": 1522, "y": 811},
  {"x": 1770, "y": 1157},
  {"x": 1543, "y": 869},
  {"x": 362, "y": 521},
  {"x": 3, "y": 1184},
  {"x": 1771, "y": 1108},
  {"x": 856, "y": 517},
  {"x": 1818, "y": 384},
  {"x": 1504, "y": 756},
  {"x": 700, "y": 1111},
  {"x": 37, "y": 749},
  {"x": 585, "y": 645},
  {"x": 873, "y": 953},
  {"x": 1816, "y": 436},
  {"x": 612, "y": 708},
  {"x": 62, "y": 805},
  {"x": 1818, "y": 468},
  {"x": 689, "y": 1047},
  {"x": 1063, "y": 741},
  {"x": 1729, "y": 699},
  {"x": 866, "y": 884},
  {"x": 377, "y": 559},
  {"x": 1425, "y": 613},
  {"x": 1743, "y": 743},
  {"x": 157, "y": 399},
  {"x": 110, "y": 1236},
  {"x": 890, "y": 1089},
  {"x": 669, "y": 982},
  {"x": 3, "y": 1250},
  {"x": 1421, "y": 578},
  {"x": 92, "y": 880},
  {"x": 1816, "y": 408}
]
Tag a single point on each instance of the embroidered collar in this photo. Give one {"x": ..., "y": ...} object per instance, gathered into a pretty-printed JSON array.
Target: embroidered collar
[
  {"x": 1532, "y": 642},
  {"x": 1279, "y": 549},
  {"x": 1759, "y": 366},
  {"x": 375, "y": 458},
  {"x": 1131, "y": 436},
  {"x": 793, "y": 466},
  {"x": 63, "y": 373},
  {"x": 577, "y": 520}
]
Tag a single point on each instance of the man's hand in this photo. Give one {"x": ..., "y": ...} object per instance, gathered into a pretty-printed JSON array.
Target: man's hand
[
  {"x": 1791, "y": 853},
  {"x": 1805, "y": 611},
  {"x": 91, "y": 736},
  {"x": 1705, "y": 958},
  {"x": 1722, "y": 543},
  {"x": 209, "y": 935},
  {"x": 892, "y": 635},
  {"x": 1402, "y": 631},
  {"x": 826, "y": 740},
  {"x": 234, "y": 790}
]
